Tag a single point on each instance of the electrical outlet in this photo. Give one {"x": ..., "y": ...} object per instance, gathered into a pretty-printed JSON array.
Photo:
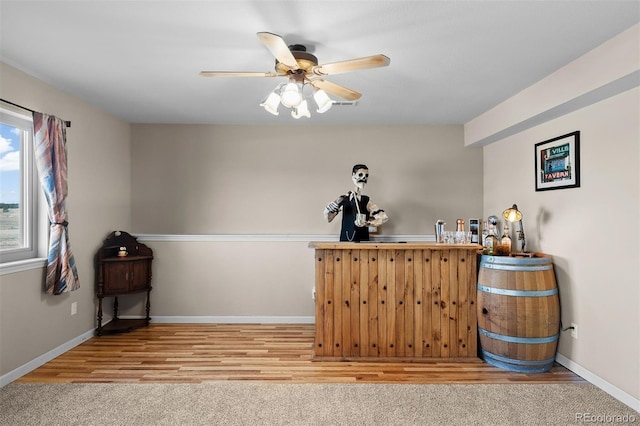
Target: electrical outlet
[
  {"x": 74, "y": 308},
  {"x": 574, "y": 331}
]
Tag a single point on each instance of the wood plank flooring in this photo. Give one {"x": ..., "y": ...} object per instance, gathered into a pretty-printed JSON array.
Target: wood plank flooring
[{"x": 193, "y": 353}]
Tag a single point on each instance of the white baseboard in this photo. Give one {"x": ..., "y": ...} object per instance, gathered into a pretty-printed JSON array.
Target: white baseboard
[
  {"x": 615, "y": 392},
  {"x": 44, "y": 358}
]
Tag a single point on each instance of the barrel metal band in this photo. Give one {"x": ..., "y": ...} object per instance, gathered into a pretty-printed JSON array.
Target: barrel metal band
[
  {"x": 517, "y": 361},
  {"x": 518, "y": 365},
  {"x": 514, "y": 339},
  {"x": 503, "y": 267},
  {"x": 523, "y": 293}
]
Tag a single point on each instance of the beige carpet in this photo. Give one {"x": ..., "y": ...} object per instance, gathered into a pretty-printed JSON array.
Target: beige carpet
[{"x": 259, "y": 403}]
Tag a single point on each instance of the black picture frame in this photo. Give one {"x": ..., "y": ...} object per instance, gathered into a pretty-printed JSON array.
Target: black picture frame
[{"x": 557, "y": 162}]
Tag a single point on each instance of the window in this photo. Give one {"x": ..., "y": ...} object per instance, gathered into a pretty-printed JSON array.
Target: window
[{"x": 18, "y": 187}]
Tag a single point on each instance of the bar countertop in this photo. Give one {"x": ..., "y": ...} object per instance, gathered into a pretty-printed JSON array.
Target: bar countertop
[{"x": 375, "y": 245}]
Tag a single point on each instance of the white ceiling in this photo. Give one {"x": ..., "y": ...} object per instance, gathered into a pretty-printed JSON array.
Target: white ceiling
[{"x": 450, "y": 60}]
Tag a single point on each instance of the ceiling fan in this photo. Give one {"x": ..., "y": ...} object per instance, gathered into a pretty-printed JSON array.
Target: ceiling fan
[{"x": 303, "y": 73}]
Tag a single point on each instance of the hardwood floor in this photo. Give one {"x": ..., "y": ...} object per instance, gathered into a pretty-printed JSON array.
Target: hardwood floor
[{"x": 192, "y": 353}]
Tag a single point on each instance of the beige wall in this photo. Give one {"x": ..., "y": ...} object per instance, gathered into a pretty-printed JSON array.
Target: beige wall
[
  {"x": 190, "y": 179},
  {"x": 31, "y": 322},
  {"x": 229, "y": 281},
  {"x": 592, "y": 232},
  {"x": 232, "y": 185}
]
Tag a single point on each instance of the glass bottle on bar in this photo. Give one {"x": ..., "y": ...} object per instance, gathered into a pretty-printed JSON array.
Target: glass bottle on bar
[
  {"x": 492, "y": 240},
  {"x": 459, "y": 235},
  {"x": 485, "y": 233},
  {"x": 505, "y": 242}
]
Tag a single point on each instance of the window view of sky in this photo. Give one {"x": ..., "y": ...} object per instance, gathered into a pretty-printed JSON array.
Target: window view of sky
[{"x": 9, "y": 164}]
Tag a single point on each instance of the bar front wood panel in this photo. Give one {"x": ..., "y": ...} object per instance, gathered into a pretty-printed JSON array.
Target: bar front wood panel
[{"x": 396, "y": 301}]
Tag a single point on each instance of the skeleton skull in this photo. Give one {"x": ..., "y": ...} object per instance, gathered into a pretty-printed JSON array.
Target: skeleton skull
[{"x": 360, "y": 175}]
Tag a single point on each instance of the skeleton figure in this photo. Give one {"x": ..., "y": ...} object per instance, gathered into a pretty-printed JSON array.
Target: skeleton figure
[{"x": 358, "y": 211}]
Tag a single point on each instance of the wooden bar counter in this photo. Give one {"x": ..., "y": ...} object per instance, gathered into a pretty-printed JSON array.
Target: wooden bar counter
[{"x": 395, "y": 301}]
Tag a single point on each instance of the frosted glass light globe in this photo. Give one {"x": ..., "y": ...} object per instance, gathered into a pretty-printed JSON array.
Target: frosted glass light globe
[{"x": 290, "y": 95}]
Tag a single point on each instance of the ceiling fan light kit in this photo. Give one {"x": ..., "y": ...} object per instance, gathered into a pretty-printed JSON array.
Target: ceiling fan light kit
[
  {"x": 292, "y": 95},
  {"x": 304, "y": 75}
]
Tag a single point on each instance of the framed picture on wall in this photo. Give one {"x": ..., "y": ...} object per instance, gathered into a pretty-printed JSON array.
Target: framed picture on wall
[{"x": 557, "y": 162}]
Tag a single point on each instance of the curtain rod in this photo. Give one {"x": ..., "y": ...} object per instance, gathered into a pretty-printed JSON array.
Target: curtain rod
[{"x": 67, "y": 123}]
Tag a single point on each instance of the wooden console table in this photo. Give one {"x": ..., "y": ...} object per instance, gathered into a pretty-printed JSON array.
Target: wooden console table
[{"x": 401, "y": 301}]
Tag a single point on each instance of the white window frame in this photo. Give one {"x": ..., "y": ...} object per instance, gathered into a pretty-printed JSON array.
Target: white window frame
[{"x": 32, "y": 247}]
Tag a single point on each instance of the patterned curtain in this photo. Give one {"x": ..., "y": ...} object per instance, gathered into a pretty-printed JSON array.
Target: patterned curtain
[{"x": 51, "y": 159}]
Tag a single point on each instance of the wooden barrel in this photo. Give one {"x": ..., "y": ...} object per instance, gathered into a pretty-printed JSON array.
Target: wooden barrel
[{"x": 518, "y": 312}]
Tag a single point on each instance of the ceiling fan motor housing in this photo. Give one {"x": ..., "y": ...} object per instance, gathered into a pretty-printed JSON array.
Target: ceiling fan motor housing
[{"x": 305, "y": 61}]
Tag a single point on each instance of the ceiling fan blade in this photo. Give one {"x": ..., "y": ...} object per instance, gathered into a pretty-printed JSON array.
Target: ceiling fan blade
[
  {"x": 336, "y": 89},
  {"x": 374, "y": 61},
  {"x": 279, "y": 49},
  {"x": 237, "y": 74}
]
